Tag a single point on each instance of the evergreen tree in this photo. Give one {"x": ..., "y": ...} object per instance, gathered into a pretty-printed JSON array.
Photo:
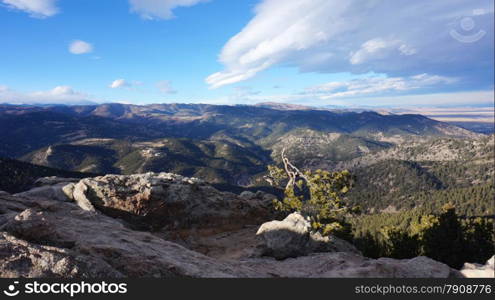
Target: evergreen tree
[
  {"x": 317, "y": 195},
  {"x": 441, "y": 237}
]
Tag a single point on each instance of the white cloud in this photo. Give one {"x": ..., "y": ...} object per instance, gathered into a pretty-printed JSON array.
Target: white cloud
[
  {"x": 159, "y": 9},
  {"x": 57, "y": 95},
  {"x": 394, "y": 100},
  {"x": 357, "y": 36},
  {"x": 165, "y": 86},
  {"x": 119, "y": 83},
  {"x": 35, "y": 8},
  {"x": 371, "y": 90},
  {"x": 80, "y": 47},
  {"x": 377, "y": 86},
  {"x": 122, "y": 83}
]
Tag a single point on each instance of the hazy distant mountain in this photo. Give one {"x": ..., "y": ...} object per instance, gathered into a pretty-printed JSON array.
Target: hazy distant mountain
[{"x": 284, "y": 106}]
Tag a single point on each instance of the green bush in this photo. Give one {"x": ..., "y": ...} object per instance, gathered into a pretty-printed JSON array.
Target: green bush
[{"x": 316, "y": 195}]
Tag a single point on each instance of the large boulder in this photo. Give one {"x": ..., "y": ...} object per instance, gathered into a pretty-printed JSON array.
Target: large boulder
[
  {"x": 55, "y": 188},
  {"x": 54, "y": 192},
  {"x": 293, "y": 237},
  {"x": 170, "y": 202},
  {"x": 43, "y": 238},
  {"x": 472, "y": 270}
]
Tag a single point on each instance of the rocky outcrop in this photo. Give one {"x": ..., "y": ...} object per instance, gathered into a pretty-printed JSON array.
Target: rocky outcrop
[
  {"x": 51, "y": 188},
  {"x": 293, "y": 237},
  {"x": 55, "y": 192},
  {"x": 170, "y": 202},
  {"x": 471, "y": 270},
  {"x": 42, "y": 237}
]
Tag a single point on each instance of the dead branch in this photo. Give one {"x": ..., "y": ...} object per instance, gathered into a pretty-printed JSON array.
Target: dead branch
[{"x": 292, "y": 171}]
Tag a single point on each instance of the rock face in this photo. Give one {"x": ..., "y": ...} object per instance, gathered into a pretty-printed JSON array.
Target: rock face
[
  {"x": 50, "y": 188},
  {"x": 479, "y": 271},
  {"x": 292, "y": 237},
  {"x": 42, "y": 237},
  {"x": 45, "y": 238},
  {"x": 169, "y": 201}
]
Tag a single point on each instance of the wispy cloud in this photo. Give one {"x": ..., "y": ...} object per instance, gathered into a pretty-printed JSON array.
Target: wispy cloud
[
  {"x": 147, "y": 9},
  {"x": 358, "y": 36},
  {"x": 370, "y": 86},
  {"x": 57, "y": 95},
  {"x": 244, "y": 94},
  {"x": 165, "y": 87},
  {"x": 80, "y": 47},
  {"x": 159, "y": 9},
  {"x": 35, "y": 8},
  {"x": 472, "y": 98}
]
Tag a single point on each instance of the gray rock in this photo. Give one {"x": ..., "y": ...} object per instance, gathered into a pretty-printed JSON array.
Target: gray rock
[
  {"x": 292, "y": 237},
  {"x": 68, "y": 191},
  {"x": 287, "y": 238},
  {"x": 247, "y": 195},
  {"x": 319, "y": 243},
  {"x": 54, "y": 192},
  {"x": 170, "y": 201},
  {"x": 350, "y": 265},
  {"x": 487, "y": 270},
  {"x": 55, "y": 188},
  {"x": 79, "y": 196},
  {"x": 46, "y": 238}
]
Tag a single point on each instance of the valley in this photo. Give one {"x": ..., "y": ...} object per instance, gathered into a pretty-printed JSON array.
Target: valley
[{"x": 396, "y": 159}]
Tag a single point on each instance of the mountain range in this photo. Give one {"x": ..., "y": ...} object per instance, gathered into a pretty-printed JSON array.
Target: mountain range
[
  {"x": 395, "y": 158},
  {"x": 231, "y": 144}
]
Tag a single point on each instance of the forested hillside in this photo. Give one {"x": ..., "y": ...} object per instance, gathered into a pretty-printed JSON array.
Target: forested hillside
[{"x": 17, "y": 176}]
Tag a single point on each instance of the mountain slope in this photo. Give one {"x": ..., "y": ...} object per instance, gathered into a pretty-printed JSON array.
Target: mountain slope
[
  {"x": 17, "y": 176},
  {"x": 427, "y": 174},
  {"x": 26, "y": 128},
  {"x": 216, "y": 160},
  {"x": 221, "y": 144}
]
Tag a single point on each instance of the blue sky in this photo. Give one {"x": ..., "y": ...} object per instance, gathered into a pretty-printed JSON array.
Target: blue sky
[{"x": 313, "y": 52}]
